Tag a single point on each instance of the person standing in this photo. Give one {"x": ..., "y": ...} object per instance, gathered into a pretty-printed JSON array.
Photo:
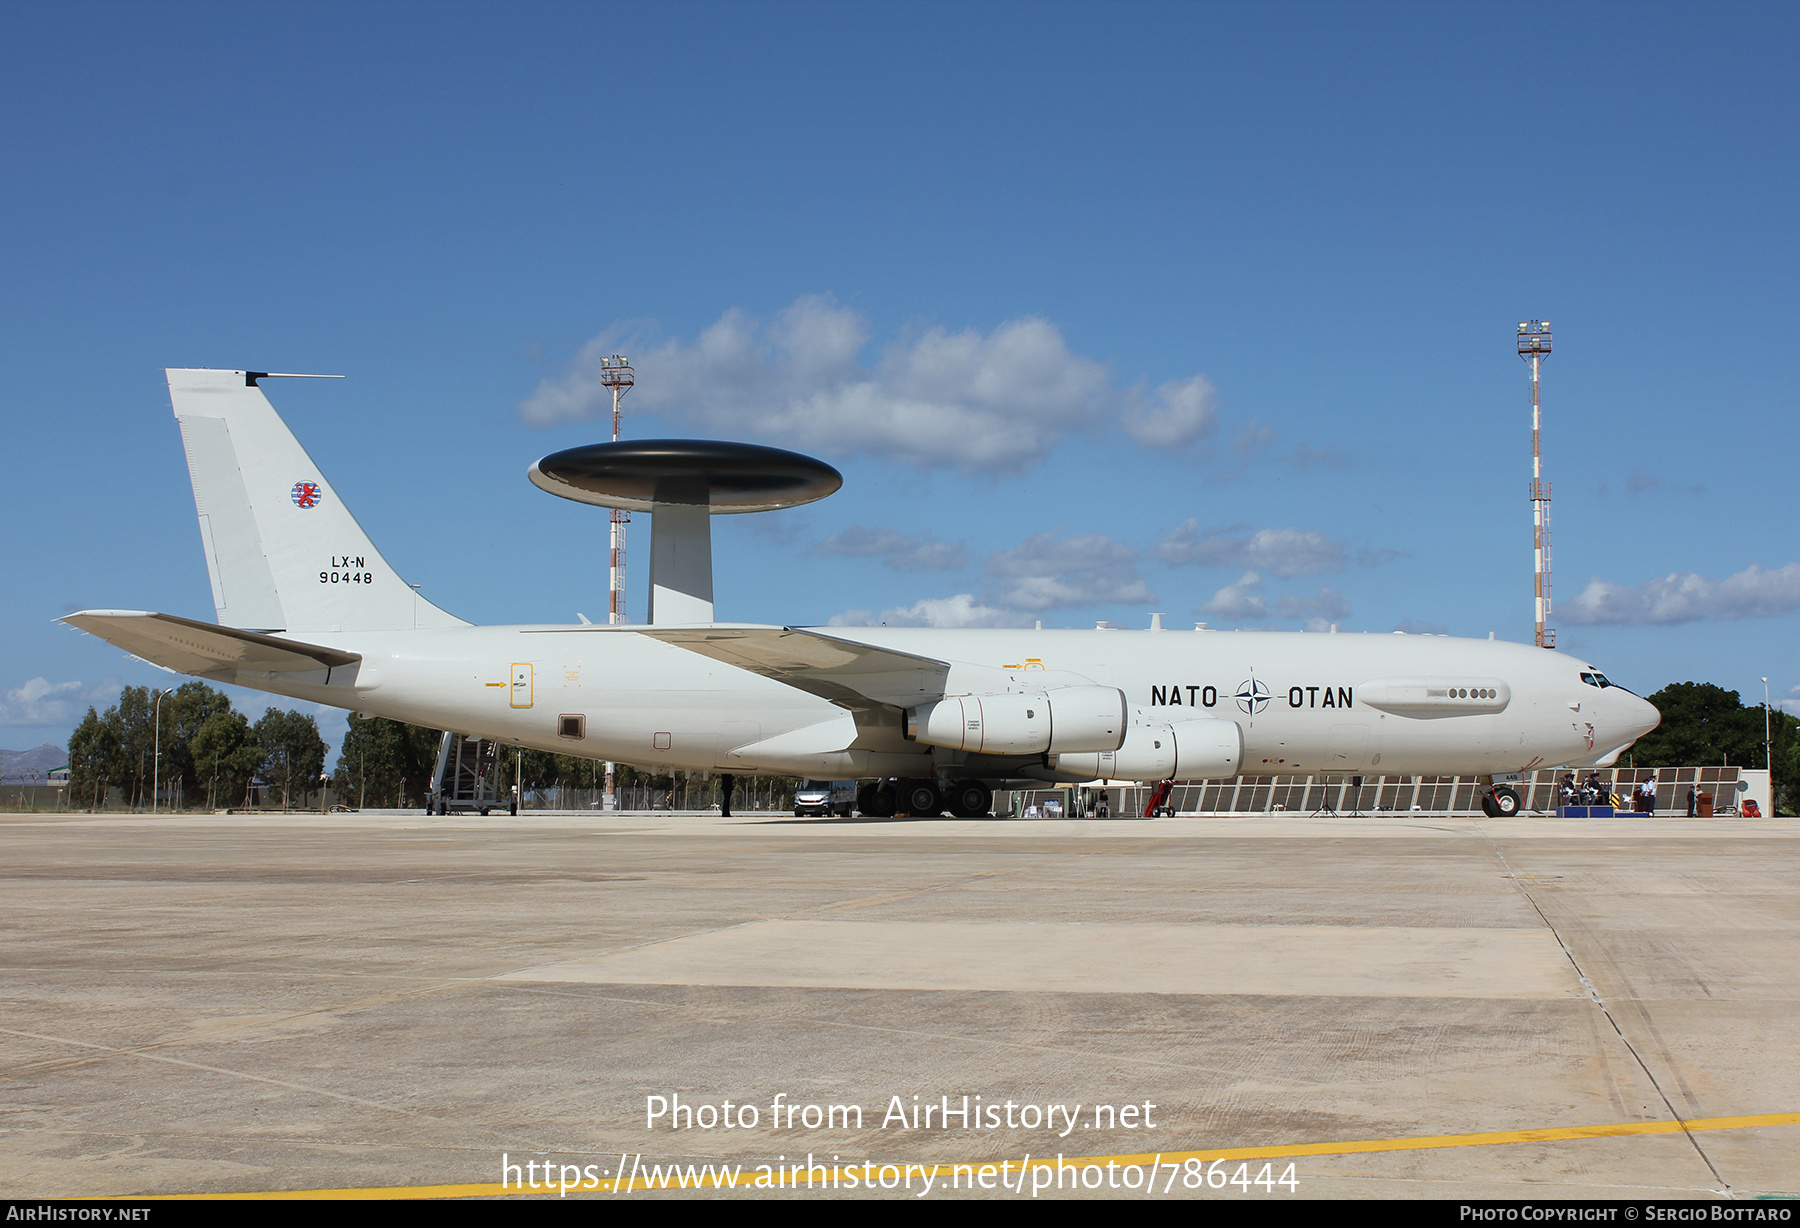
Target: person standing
[{"x": 1693, "y": 800}]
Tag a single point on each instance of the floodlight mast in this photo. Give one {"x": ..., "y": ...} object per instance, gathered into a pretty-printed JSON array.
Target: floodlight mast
[
  {"x": 616, "y": 374},
  {"x": 1534, "y": 347}
]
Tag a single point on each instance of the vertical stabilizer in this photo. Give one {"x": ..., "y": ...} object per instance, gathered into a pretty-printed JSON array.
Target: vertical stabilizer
[{"x": 283, "y": 552}]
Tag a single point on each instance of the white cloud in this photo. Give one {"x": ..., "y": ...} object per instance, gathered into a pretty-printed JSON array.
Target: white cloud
[
  {"x": 1180, "y": 412},
  {"x": 1253, "y": 438},
  {"x": 901, "y": 551},
  {"x": 1285, "y": 552},
  {"x": 963, "y": 400},
  {"x": 42, "y": 702},
  {"x": 1683, "y": 597},
  {"x": 954, "y": 399},
  {"x": 1044, "y": 572},
  {"x": 961, "y": 610},
  {"x": 1239, "y": 599},
  {"x": 1318, "y": 611}
]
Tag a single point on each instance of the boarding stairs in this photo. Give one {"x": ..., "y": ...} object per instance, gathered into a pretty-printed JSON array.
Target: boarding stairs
[{"x": 467, "y": 778}]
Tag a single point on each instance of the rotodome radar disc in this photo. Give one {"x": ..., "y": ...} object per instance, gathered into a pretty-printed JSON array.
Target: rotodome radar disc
[{"x": 727, "y": 477}]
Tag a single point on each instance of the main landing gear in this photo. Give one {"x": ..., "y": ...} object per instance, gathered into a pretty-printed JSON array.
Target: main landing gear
[{"x": 966, "y": 799}]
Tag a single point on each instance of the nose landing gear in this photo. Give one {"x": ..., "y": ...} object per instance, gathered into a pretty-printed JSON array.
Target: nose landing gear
[{"x": 1500, "y": 803}]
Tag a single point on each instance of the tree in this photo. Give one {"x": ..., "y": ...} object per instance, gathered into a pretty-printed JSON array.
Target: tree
[
  {"x": 226, "y": 757},
  {"x": 207, "y": 749},
  {"x": 293, "y": 753},
  {"x": 114, "y": 750},
  {"x": 385, "y": 763},
  {"x": 1702, "y": 724},
  {"x": 93, "y": 760},
  {"x": 184, "y": 712},
  {"x": 1784, "y": 761}
]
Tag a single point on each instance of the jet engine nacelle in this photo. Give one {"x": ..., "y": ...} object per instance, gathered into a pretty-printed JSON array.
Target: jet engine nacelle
[
  {"x": 1185, "y": 750},
  {"x": 1069, "y": 718}
]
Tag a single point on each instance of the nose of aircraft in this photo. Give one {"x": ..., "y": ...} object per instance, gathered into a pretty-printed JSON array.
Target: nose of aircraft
[{"x": 1640, "y": 715}]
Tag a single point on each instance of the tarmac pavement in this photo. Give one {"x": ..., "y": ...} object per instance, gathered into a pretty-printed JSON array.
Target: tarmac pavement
[{"x": 1394, "y": 1006}]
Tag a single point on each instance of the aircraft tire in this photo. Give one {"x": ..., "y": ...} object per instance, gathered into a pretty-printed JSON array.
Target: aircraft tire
[
  {"x": 1501, "y": 804},
  {"x": 970, "y": 799},
  {"x": 920, "y": 798},
  {"x": 875, "y": 801}
]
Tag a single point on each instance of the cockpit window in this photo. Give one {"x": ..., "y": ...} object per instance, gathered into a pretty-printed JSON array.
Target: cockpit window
[{"x": 1596, "y": 679}]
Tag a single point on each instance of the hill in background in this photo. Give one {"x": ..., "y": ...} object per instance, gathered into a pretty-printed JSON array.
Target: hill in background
[{"x": 33, "y": 763}]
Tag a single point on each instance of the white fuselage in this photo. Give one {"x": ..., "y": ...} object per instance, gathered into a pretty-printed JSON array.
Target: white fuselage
[{"x": 1305, "y": 702}]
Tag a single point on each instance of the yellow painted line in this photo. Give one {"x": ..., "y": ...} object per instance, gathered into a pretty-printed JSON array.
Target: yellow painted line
[{"x": 943, "y": 1171}]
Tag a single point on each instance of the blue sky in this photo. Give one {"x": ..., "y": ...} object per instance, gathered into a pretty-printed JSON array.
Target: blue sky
[{"x": 1100, "y": 309}]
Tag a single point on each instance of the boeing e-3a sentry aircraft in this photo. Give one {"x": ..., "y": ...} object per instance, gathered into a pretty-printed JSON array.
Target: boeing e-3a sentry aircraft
[{"x": 933, "y": 719}]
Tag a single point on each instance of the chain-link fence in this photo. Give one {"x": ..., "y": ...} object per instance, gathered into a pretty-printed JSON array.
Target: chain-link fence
[
  {"x": 1446, "y": 795},
  {"x": 752, "y": 795}
]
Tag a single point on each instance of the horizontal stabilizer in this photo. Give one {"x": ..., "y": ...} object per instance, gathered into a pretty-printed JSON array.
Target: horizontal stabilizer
[
  {"x": 203, "y": 649},
  {"x": 842, "y": 671}
]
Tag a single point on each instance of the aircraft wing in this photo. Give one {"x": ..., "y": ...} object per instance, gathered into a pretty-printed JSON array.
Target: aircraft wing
[
  {"x": 843, "y": 671},
  {"x": 205, "y": 649}
]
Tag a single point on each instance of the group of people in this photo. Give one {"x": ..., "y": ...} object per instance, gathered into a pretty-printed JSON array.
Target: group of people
[{"x": 1589, "y": 792}]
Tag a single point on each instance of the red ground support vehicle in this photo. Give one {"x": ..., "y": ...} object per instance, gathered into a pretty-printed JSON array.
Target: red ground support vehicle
[{"x": 1159, "y": 807}]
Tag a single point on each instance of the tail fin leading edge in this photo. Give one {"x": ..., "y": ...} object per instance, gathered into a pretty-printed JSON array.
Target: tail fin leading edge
[{"x": 282, "y": 550}]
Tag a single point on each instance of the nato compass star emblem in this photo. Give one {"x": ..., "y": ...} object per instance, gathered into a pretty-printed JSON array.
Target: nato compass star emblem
[{"x": 1252, "y": 696}]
